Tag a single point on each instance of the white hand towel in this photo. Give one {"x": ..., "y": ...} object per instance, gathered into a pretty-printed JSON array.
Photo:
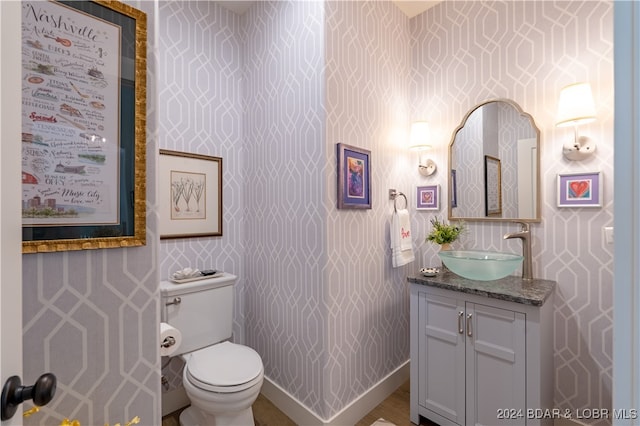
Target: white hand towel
[
  {"x": 402, "y": 258},
  {"x": 401, "y": 239},
  {"x": 404, "y": 222}
]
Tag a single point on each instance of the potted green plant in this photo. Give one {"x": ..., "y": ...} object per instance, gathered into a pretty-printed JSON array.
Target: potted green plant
[{"x": 443, "y": 233}]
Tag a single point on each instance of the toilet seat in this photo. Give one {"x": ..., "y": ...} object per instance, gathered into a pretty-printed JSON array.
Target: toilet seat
[{"x": 224, "y": 368}]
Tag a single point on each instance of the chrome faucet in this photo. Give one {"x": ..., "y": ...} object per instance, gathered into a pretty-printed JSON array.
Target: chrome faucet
[{"x": 525, "y": 235}]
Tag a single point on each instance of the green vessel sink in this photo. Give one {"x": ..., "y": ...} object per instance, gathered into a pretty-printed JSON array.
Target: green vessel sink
[{"x": 480, "y": 265}]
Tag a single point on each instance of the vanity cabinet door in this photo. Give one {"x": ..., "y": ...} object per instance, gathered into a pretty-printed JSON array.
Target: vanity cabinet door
[
  {"x": 495, "y": 364},
  {"x": 441, "y": 356},
  {"x": 468, "y": 364}
]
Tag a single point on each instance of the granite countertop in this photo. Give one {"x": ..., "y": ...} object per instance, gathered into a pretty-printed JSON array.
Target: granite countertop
[{"x": 511, "y": 288}]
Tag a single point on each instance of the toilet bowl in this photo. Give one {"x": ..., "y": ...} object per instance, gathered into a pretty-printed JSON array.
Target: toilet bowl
[
  {"x": 222, "y": 382},
  {"x": 221, "y": 379}
]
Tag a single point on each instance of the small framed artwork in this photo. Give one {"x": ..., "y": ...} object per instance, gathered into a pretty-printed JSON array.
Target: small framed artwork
[
  {"x": 354, "y": 177},
  {"x": 492, "y": 186},
  {"x": 580, "y": 189},
  {"x": 428, "y": 197},
  {"x": 190, "y": 189},
  {"x": 454, "y": 189}
]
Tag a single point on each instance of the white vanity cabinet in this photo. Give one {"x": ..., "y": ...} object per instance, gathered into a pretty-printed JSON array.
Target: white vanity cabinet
[{"x": 480, "y": 360}]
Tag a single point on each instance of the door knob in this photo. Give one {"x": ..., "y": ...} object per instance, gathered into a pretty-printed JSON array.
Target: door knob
[{"x": 14, "y": 394}]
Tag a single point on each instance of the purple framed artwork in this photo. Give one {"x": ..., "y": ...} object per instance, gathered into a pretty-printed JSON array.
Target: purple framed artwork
[
  {"x": 354, "y": 177},
  {"x": 580, "y": 189},
  {"x": 428, "y": 197}
]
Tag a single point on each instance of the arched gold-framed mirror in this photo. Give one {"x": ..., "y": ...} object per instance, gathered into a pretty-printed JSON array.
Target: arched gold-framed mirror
[{"x": 494, "y": 165}]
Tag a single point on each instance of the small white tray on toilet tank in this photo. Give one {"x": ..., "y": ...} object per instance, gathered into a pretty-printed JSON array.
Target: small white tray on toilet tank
[
  {"x": 201, "y": 277},
  {"x": 170, "y": 289}
]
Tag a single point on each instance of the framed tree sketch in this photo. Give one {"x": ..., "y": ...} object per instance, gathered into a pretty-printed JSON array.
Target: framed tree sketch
[{"x": 190, "y": 195}]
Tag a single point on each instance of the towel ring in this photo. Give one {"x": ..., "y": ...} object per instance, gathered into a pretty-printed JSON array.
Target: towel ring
[{"x": 395, "y": 201}]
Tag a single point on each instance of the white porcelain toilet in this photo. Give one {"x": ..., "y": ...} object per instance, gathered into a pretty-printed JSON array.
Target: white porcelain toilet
[{"x": 221, "y": 379}]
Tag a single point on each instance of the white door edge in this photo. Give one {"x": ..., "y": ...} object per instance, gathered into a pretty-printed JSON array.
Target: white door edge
[
  {"x": 10, "y": 196},
  {"x": 626, "y": 288}
]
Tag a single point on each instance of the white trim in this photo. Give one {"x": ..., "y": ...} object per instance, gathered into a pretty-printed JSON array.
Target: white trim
[
  {"x": 174, "y": 400},
  {"x": 351, "y": 414},
  {"x": 626, "y": 288},
  {"x": 288, "y": 404},
  {"x": 10, "y": 205}
]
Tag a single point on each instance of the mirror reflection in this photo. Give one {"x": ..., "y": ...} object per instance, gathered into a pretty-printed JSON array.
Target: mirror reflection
[{"x": 494, "y": 164}]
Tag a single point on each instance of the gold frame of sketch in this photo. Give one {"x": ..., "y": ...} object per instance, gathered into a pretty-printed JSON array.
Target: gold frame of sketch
[{"x": 138, "y": 157}]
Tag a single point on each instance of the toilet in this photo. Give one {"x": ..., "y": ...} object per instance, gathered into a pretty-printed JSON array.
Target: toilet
[{"x": 222, "y": 379}]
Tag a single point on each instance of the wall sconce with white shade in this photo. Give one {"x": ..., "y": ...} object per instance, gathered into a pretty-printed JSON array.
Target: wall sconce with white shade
[
  {"x": 419, "y": 141},
  {"x": 576, "y": 107}
]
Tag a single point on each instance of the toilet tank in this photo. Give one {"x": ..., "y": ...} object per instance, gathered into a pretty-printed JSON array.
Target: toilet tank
[{"x": 201, "y": 310}]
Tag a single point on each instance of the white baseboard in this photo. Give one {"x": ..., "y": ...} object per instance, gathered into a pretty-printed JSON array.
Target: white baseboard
[
  {"x": 349, "y": 415},
  {"x": 174, "y": 400}
]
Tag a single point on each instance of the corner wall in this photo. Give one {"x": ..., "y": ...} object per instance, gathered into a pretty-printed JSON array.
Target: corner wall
[
  {"x": 200, "y": 111},
  {"x": 324, "y": 307},
  {"x": 320, "y": 301},
  {"x": 367, "y": 102},
  {"x": 286, "y": 250}
]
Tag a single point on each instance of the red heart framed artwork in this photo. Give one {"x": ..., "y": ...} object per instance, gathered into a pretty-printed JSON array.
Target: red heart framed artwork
[{"x": 580, "y": 189}]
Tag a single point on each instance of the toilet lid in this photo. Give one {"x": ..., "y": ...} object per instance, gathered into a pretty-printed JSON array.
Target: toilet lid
[{"x": 222, "y": 365}]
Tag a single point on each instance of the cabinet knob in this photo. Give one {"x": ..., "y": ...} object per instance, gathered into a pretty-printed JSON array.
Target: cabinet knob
[
  {"x": 469, "y": 330},
  {"x": 460, "y": 329}
]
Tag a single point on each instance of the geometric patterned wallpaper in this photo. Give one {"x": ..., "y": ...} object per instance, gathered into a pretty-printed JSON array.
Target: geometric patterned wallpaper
[
  {"x": 367, "y": 83},
  {"x": 467, "y": 52},
  {"x": 91, "y": 316},
  {"x": 200, "y": 111},
  {"x": 329, "y": 318},
  {"x": 329, "y": 321},
  {"x": 285, "y": 226},
  {"x": 272, "y": 92}
]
